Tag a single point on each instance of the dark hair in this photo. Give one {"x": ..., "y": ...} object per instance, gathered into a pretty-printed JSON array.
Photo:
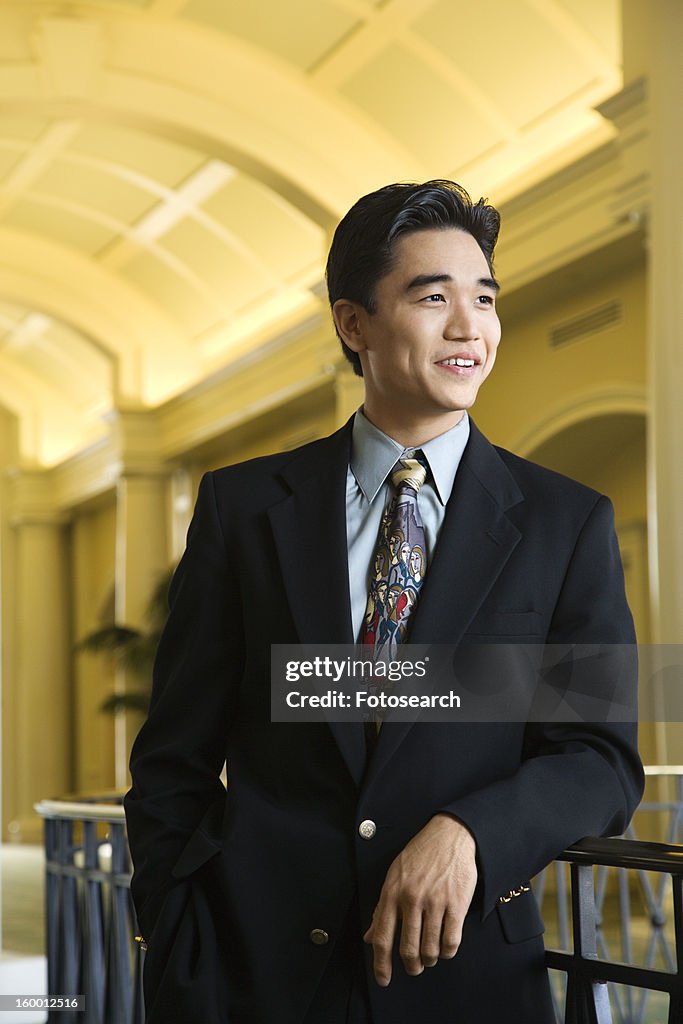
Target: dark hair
[{"x": 362, "y": 250}]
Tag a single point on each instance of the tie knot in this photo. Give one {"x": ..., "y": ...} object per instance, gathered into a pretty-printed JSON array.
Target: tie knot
[{"x": 409, "y": 472}]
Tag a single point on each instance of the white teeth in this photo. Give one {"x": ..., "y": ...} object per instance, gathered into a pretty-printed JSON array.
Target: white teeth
[{"x": 458, "y": 362}]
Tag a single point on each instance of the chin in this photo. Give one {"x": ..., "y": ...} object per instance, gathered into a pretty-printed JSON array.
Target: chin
[{"x": 461, "y": 402}]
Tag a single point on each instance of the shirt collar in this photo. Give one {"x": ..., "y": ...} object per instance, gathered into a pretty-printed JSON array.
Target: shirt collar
[{"x": 374, "y": 454}]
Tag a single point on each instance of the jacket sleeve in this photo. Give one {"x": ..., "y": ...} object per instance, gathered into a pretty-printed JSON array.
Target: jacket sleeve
[
  {"x": 578, "y": 778},
  {"x": 179, "y": 753}
]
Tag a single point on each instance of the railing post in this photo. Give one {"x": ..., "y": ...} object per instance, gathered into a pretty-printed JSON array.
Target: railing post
[
  {"x": 69, "y": 934},
  {"x": 587, "y": 1000},
  {"x": 92, "y": 960},
  {"x": 51, "y": 904},
  {"x": 119, "y": 988},
  {"x": 676, "y": 998}
]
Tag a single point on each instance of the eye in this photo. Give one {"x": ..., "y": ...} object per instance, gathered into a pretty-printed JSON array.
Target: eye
[
  {"x": 486, "y": 300},
  {"x": 436, "y": 297}
]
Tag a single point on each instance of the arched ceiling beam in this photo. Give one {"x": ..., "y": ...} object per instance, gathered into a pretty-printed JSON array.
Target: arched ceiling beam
[
  {"x": 33, "y": 164},
  {"x": 49, "y": 427},
  {"x": 173, "y": 204},
  {"x": 151, "y": 354},
  {"x": 204, "y": 89}
]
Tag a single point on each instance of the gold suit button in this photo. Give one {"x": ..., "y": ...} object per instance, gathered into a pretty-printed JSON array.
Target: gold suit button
[
  {"x": 367, "y": 829},
  {"x": 319, "y": 937}
]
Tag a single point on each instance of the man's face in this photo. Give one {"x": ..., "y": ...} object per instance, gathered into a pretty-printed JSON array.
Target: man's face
[{"x": 436, "y": 306}]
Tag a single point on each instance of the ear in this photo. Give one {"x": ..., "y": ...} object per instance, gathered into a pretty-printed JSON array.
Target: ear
[{"x": 347, "y": 318}]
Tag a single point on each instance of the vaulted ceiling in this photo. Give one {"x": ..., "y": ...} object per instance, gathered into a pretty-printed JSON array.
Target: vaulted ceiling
[{"x": 171, "y": 170}]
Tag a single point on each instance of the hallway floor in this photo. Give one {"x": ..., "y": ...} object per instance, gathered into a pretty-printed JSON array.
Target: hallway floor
[{"x": 22, "y": 889}]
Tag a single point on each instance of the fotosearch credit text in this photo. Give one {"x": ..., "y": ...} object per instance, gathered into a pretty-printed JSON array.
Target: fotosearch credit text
[{"x": 477, "y": 682}]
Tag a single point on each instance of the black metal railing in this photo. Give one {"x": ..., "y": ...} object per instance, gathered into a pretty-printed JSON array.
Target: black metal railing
[
  {"x": 91, "y": 922},
  {"x": 90, "y": 917},
  {"x": 588, "y": 974},
  {"x": 633, "y": 915}
]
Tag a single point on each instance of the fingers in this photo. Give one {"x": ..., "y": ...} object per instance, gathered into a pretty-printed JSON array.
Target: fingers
[
  {"x": 429, "y": 886},
  {"x": 450, "y": 936},
  {"x": 381, "y": 935},
  {"x": 430, "y": 944},
  {"x": 411, "y": 935},
  {"x": 440, "y": 937},
  {"x": 428, "y": 935}
]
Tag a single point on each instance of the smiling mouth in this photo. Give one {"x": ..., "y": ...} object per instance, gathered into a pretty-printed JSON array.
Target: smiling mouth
[
  {"x": 463, "y": 367},
  {"x": 463, "y": 361}
]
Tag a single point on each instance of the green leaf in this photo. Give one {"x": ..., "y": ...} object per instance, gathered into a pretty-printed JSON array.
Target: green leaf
[
  {"x": 109, "y": 639},
  {"x": 133, "y": 649},
  {"x": 133, "y": 701}
]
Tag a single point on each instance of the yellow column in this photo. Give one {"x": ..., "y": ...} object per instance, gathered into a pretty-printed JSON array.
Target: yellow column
[
  {"x": 92, "y": 577},
  {"x": 665, "y": 75},
  {"x": 652, "y": 34},
  {"x": 183, "y": 491},
  {"x": 41, "y": 702},
  {"x": 666, "y": 338},
  {"x": 9, "y": 454},
  {"x": 142, "y": 550}
]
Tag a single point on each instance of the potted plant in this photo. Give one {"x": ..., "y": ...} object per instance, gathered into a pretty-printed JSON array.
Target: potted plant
[{"x": 133, "y": 649}]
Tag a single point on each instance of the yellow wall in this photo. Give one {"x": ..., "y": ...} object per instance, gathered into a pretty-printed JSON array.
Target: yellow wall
[
  {"x": 573, "y": 409},
  {"x": 533, "y": 385},
  {"x": 8, "y": 453},
  {"x": 92, "y": 558},
  {"x": 578, "y": 409},
  {"x": 290, "y": 425}
]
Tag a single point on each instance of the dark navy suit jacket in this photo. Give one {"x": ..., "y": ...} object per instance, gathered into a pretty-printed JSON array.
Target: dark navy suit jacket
[{"x": 229, "y": 887}]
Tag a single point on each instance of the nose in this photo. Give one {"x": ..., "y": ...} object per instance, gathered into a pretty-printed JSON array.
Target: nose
[{"x": 461, "y": 324}]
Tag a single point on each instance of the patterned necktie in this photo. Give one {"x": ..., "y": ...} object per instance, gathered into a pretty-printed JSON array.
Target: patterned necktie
[{"x": 399, "y": 564}]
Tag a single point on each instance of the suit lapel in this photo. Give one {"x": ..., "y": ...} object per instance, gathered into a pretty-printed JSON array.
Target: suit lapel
[
  {"x": 309, "y": 527},
  {"x": 476, "y": 540}
]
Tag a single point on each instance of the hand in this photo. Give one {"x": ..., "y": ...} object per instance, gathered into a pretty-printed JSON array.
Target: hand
[{"x": 429, "y": 886}]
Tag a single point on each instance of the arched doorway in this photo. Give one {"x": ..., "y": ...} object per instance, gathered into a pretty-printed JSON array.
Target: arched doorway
[{"x": 607, "y": 451}]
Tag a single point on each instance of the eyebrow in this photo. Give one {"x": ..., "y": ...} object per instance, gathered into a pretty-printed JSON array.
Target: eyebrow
[{"x": 423, "y": 280}]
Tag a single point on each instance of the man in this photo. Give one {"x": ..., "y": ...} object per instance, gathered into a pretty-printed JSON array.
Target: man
[{"x": 255, "y": 904}]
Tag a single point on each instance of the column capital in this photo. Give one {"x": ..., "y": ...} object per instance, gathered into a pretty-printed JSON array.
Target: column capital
[
  {"x": 628, "y": 106},
  {"x": 629, "y": 111},
  {"x": 136, "y": 440},
  {"x": 32, "y": 499}
]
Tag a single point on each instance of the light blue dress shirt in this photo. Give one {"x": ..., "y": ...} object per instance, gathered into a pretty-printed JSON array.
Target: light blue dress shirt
[{"x": 373, "y": 456}]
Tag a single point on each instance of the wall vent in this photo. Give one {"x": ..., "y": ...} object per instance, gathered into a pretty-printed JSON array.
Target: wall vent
[{"x": 597, "y": 319}]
